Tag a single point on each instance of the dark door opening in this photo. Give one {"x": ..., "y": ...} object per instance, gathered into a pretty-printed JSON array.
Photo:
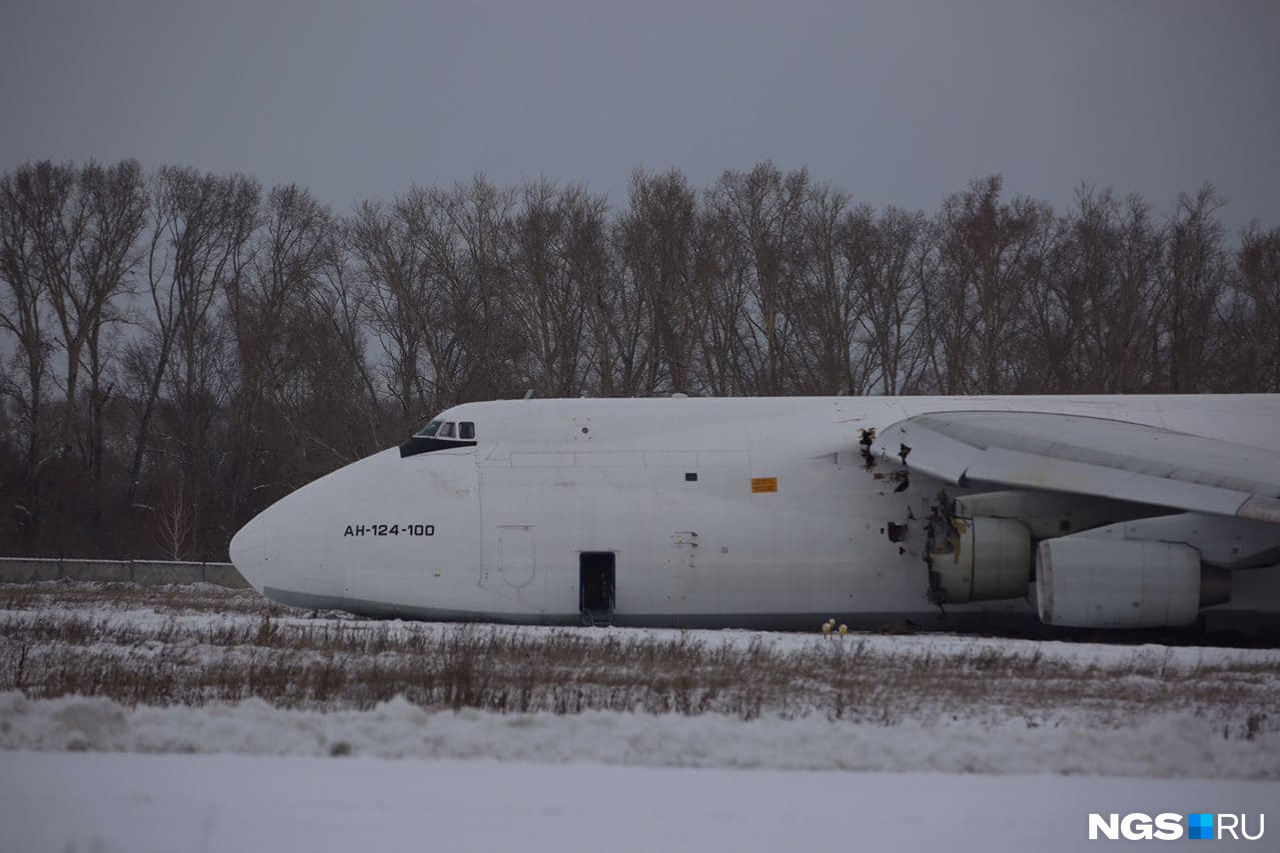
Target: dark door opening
[{"x": 596, "y": 586}]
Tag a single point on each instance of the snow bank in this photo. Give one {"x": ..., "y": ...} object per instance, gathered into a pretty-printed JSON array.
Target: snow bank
[{"x": 1165, "y": 746}]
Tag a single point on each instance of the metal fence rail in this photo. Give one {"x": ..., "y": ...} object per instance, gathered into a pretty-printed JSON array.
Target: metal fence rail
[{"x": 145, "y": 572}]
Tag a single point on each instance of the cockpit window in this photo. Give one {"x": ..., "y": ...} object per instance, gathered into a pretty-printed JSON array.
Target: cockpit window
[{"x": 440, "y": 435}]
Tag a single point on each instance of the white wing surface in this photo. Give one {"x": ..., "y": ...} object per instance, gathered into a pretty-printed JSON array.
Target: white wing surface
[{"x": 1090, "y": 456}]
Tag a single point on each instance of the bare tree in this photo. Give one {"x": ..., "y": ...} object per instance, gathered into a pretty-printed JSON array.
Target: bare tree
[
  {"x": 544, "y": 298},
  {"x": 437, "y": 276},
  {"x": 22, "y": 314},
  {"x": 763, "y": 210},
  {"x": 395, "y": 291},
  {"x": 657, "y": 238},
  {"x": 1252, "y": 318},
  {"x": 591, "y": 267},
  {"x": 463, "y": 236},
  {"x": 76, "y": 230},
  {"x": 57, "y": 217},
  {"x": 175, "y": 519},
  {"x": 728, "y": 362},
  {"x": 1195, "y": 275},
  {"x": 897, "y": 259},
  {"x": 1095, "y": 316},
  {"x": 264, "y": 306},
  {"x": 340, "y": 304},
  {"x": 200, "y": 226},
  {"x": 828, "y": 300},
  {"x": 990, "y": 254},
  {"x": 105, "y": 261}
]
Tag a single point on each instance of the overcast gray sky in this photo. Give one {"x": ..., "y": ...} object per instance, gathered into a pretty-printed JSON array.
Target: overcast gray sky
[{"x": 897, "y": 102}]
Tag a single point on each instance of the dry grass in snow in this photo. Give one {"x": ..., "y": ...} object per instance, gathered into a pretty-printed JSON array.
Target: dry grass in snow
[
  {"x": 200, "y": 644},
  {"x": 196, "y": 645}
]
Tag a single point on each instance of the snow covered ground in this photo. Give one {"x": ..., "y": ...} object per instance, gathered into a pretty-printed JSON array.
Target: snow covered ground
[
  {"x": 1161, "y": 746},
  {"x": 868, "y": 743},
  {"x": 90, "y": 803}
]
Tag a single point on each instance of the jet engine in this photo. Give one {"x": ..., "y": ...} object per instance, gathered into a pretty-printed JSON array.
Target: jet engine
[
  {"x": 976, "y": 559},
  {"x": 1085, "y": 582}
]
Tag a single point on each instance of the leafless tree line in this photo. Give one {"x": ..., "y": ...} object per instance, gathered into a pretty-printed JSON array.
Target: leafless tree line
[{"x": 180, "y": 348}]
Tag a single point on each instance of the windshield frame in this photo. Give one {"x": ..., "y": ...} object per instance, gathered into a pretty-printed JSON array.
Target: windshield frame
[{"x": 430, "y": 430}]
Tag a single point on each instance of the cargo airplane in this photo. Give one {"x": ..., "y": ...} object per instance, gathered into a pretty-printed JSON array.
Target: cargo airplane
[{"x": 1106, "y": 512}]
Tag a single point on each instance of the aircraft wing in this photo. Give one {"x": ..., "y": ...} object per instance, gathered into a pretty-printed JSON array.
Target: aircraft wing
[{"x": 1090, "y": 456}]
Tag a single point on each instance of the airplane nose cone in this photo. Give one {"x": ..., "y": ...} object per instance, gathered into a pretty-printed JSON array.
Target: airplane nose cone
[
  {"x": 248, "y": 552},
  {"x": 294, "y": 551}
]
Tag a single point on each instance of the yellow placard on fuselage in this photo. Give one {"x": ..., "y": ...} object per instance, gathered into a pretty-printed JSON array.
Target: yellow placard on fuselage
[{"x": 763, "y": 484}]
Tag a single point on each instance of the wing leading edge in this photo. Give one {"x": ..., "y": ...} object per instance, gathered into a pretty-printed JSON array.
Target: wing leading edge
[{"x": 1090, "y": 456}]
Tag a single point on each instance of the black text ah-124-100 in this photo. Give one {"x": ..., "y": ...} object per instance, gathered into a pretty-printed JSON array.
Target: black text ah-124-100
[{"x": 390, "y": 530}]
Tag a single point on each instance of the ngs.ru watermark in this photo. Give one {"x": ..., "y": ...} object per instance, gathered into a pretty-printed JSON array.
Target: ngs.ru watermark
[{"x": 1168, "y": 826}]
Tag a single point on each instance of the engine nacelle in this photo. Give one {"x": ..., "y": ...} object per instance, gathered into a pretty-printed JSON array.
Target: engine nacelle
[
  {"x": 1084, "y": 582},
  {"x": 980, "y": 559}
]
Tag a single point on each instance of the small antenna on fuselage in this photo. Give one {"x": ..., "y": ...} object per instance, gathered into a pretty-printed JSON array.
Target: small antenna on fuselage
[{"x": 528, "y": 394}]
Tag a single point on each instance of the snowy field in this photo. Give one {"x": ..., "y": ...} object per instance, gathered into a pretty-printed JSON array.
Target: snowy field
[
  {"x": 93, "y": 803},
  {"x": 200, "y": 718}
]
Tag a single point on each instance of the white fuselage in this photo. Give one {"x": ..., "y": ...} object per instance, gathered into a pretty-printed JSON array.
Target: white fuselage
[{"x": 759, "y": 512}]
